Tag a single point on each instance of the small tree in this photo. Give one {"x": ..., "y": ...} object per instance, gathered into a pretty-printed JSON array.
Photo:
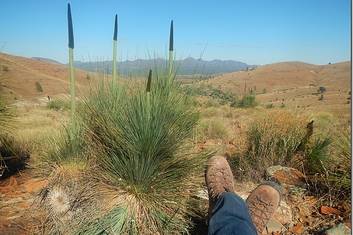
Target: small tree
[
  {"x": 321, "y": 89},
  {"x": 247, "y": 101},
  {"x": 39, "y": 87}
]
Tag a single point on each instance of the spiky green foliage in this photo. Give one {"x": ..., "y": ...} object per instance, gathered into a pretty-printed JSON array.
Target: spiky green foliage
[
  {"x": 67, "y": 149},
  {"x": 317, "y": 154},
  {"x": 6, "y": 116},
  {"x": 142, "y": 147},
  {"x": 247, "y": 101}
]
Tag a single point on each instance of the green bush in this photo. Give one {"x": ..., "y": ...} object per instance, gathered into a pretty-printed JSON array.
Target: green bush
[
  {"x": 328, "y": 166},
  {"x": 272, "y": 139},
  {"x": 39, "y": 87},
  {"x": 58, "y": 104},
  {"x": 269, "y": 106},
  {"x": 212, "y": 129},
  {"x": 142, "y": 141},
  {"x": 247, "y": 101},
  {"x": 139, "y": 144},
  {"x": 321, "y": 89}
]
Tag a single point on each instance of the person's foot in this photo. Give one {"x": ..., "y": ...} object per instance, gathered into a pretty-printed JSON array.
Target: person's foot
[
  {"x": 262, "y": 203},
  {"x": 219, "y": 179}
]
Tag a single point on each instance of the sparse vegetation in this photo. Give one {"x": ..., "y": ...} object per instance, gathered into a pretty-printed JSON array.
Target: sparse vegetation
[
  {"x": 269, "y": 106},
  {"x": 130, "y": 157},
  {"x": 216, "y": 94},
  {"x": 212, "y": 129}
]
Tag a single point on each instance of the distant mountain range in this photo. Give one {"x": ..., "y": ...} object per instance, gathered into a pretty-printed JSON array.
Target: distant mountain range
[{"x": 188, "y": 66}]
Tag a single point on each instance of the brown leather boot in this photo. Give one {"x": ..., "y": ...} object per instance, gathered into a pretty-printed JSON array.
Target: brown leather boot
[
  {"x": 219, "y": 179},
  {"x": 262, "y": 203}
]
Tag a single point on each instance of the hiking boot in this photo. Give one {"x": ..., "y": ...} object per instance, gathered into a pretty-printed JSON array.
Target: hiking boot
[
  {"x": 262, "y": 203},
  {"x": 219, "y": 179}
]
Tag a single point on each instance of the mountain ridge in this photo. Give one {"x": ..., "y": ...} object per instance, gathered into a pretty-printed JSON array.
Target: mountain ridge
[{"x": 187, "y": 66}]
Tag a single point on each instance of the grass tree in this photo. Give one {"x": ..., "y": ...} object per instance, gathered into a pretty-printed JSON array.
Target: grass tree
[
  {"x": 141, "y": 143},
  {"x": 134, "y": 147}
]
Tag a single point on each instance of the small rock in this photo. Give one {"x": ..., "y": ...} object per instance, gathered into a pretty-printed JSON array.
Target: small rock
[
  {"x": 283, "y": 214},
  {"x": 274, "y": 226},
  {"x": 297, "y": 229},
  {"x": 326, "y": 210},
  {"x": 286, "y": 175},
  {"x": 339, "y": 229}
]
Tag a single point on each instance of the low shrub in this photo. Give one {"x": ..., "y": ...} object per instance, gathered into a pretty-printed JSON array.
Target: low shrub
[
  {"x": 328, "y": 166},
  {"x": 144, "y": 152},
  {"x": 13, "y": 156},
  {"x": 212, "y": 129},
  {"x": 272, "y": 139},
  {"x": 137, "y": 148},
  {"x": 269, "y": 106},
  {"x": 247, "y": 101},
  {"x": 39, "y": 87},
  {"x": 58, "y": 104}
]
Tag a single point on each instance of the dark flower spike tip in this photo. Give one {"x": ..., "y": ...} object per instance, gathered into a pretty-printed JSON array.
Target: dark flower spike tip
[
  {"x": 148, "y": 88},
  {"x": 171, "y": 37},
  {"x": 70, "y": 27},
  {"x": 115, "y": 37}
]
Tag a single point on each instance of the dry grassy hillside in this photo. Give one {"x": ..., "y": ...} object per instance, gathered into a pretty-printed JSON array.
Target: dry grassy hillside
[
  {"x": 19, "y": 76},
  {"x": 293, "y": 85}
]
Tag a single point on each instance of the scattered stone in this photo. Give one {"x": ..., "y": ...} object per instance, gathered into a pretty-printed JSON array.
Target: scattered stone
[
  {"x": 339, "y": 229},
  {"x": 283, "y": 214},
  {"x": 326, "y": 210},
  {"x": 286, "y": 175},
  {"x": 274, "y": 226},
  {"x": 297, "y": 229}
]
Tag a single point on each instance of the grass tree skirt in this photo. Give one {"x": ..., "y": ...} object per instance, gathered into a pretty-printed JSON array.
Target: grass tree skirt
[{"x": 134, "y": 148}]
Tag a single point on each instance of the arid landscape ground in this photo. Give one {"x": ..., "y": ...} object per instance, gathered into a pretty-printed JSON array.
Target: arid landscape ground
[{"x": 291, "y": 88}]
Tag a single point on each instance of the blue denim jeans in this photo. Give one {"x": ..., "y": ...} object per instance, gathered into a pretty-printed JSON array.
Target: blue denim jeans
[{"x": 230, "y": 215}]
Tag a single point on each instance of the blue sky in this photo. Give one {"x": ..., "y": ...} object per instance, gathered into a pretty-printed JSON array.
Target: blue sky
[{"x": 255, "y": 32}]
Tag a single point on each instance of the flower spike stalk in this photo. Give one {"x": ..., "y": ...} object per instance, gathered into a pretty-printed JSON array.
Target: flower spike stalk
[
  {"x": 148, "y": 91},
  {"x": 171, "y": 49},
  {"x": 115, "y": 42},
  {"x": 148, "y": 87},
  {"x": 71, "y": 60}
]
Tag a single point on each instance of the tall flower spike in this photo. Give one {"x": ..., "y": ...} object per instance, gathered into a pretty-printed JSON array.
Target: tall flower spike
[
  {"x": 115, "y": 37},
  {"x": 171, "y": 48},
  {"x": 70, "y": 27},
  {"x": 148, "y": 87},
  {"x": 171, "y": 37},
  {"x": 115, "y": 42},
  {"x": 71, "y": 60}
]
